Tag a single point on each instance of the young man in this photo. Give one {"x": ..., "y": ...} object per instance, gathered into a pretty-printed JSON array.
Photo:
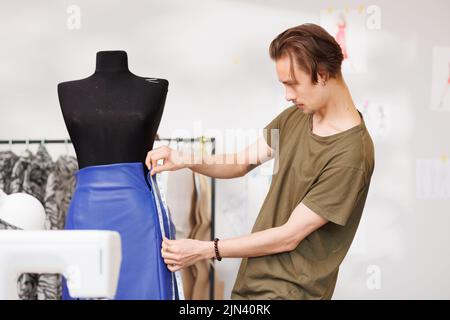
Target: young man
[{"x": 312, "y": 210}]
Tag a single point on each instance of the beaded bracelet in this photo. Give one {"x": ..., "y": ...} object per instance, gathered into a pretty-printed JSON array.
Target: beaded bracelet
[{"x": 216, "y": 249}]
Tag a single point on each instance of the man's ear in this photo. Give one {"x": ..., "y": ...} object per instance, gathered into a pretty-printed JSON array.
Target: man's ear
[{"x": 322, "y": 77}]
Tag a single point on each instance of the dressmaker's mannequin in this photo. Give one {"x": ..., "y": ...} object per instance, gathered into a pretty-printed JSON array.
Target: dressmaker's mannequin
[
  {"x": 112, "y": 118},
  {"x": 113, "y": 115}
]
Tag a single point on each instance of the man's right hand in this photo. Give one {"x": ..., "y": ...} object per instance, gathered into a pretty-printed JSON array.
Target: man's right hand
[{"x": 171, "y": 160}]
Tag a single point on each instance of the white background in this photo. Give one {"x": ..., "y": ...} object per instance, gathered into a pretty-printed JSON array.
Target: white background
[{"x": 215, "y": 56}]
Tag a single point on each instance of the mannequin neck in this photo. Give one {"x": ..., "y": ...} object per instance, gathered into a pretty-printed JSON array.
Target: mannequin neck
[{"x": 111, "y": 61}]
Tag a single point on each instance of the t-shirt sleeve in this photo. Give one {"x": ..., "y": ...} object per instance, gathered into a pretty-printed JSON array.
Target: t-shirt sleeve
[
  {"x": 335, "y": 193},
  {"x": 272, "y": 131}
]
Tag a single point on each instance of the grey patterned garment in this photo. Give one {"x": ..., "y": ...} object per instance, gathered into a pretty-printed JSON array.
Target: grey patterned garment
[
  {"x": 7, "y": 161},
  {"x": 30, "y": 173},
  {"x": 58, "y": 193},
  {"x": 51, "y": 183}
]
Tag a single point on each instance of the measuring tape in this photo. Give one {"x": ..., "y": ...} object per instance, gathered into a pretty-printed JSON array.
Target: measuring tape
[{"x": 159, "y": 194}]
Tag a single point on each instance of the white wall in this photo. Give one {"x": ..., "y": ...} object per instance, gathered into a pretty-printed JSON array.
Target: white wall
[{"x": 215, "y": 55}]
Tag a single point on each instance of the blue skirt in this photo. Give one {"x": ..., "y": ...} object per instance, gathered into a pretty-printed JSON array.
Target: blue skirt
[{"x": 121, "y": 198}]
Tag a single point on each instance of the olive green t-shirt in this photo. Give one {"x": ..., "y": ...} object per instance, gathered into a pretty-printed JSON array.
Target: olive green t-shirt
[{"x": 331, "y": 176}]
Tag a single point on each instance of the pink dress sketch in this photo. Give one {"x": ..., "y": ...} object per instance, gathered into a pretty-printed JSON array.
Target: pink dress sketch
[
  {"x": 444, "y": 92},
  {"x": 341, "y": 35}
]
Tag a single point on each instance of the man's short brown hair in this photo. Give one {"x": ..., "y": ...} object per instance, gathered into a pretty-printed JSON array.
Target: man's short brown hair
[{"x": 313, "y": 48}]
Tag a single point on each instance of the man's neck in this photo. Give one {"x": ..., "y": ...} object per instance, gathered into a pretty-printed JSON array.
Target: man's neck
[{"x": 340, "y": 112}]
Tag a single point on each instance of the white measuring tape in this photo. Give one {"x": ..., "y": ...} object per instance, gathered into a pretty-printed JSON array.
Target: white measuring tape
[{"x": 159, "y": 194}]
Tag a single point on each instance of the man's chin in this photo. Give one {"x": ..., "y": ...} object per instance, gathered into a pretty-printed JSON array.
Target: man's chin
[
  {"x": 302, "y": 107},
  {"x": 305, "y": 111}
]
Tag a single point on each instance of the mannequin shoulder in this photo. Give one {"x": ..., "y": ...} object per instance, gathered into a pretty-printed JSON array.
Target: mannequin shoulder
[
  {"x": 64, "y": 88},
  {"x": 152, "y": 82},
  {"x": 68, "y": 86}
]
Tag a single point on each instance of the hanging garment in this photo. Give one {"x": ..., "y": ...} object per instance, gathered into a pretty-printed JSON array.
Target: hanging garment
[
  {"x": 59, "y": 190},
  {"x": 196, "y": 277},
  {"x": 30, "y": 173},
  {"x": 180, "y": 191},
  {"x": 7, "y": 161},
  {"x": 19, "y": 176},
  {"x": 121, "y": 198},
  {"x": 58, "y": 193}
]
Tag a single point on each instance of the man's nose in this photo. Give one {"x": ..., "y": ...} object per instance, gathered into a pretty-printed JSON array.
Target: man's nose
[{"x": 290, "y": 95}]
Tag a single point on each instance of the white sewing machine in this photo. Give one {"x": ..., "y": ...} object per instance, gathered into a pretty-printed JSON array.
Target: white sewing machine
[{"x": 88, "y": 259}]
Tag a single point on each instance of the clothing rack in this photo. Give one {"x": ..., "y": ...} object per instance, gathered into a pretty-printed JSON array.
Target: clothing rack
[
  {"x": 47, "y": 141},
  {"x": 201, "y": 139}
]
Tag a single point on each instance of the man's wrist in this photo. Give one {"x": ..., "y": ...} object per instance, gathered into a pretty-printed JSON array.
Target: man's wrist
[
  {"x": 208, "y": 249},
  {"x": 180, "y": 161}
]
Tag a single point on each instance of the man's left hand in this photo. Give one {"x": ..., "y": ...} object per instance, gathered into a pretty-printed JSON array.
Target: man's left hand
[{"x": 179, "y": 254}]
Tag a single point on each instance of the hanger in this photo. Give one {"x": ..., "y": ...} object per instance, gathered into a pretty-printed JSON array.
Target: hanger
[
  {"x": 27, "y": 152},
  {"x": 66, "y": 146}
]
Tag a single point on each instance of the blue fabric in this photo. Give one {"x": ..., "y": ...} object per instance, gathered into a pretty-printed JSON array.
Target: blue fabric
[{"x": 119, "y": 197}]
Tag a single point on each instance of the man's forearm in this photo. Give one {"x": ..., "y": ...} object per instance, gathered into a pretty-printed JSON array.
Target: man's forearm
[
  {"x": 262, "y": 243},
  {"x": 219, "y": 166}
]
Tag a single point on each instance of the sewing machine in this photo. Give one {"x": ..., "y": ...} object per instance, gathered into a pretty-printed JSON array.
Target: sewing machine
[{"x": 88, "y": 259}]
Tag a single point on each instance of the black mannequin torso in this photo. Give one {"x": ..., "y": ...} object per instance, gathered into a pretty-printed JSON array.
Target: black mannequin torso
[{"x": 113, "y": 115}]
